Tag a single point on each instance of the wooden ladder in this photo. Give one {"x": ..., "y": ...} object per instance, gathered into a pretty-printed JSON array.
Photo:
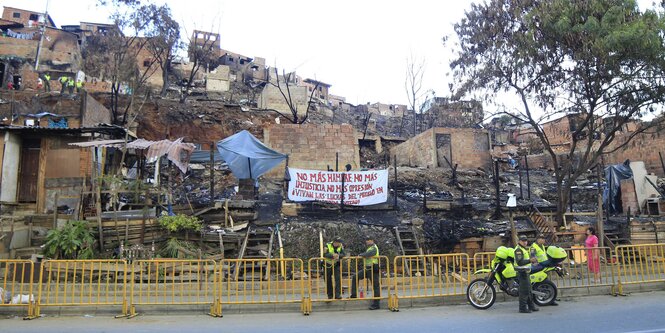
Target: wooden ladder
[
  {"x": 545, "y": 226},
  {"x": 408, "y": 245},
  {"x": 257, "y": 244}
]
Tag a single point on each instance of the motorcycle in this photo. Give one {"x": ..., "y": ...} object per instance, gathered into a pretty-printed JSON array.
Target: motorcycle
[{"x": 481, "y": 292}]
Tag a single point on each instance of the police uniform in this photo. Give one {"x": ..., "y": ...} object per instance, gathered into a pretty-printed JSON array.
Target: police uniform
[
  {"x": 333, "y": 269},
  {"x": 522, "y": 256},
  {"x": 369, "y": 271}
]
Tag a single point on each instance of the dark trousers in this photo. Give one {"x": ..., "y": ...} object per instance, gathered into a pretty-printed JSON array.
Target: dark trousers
[
  {"x": 47, "y": 86},
  {"x": 525, "y": 294},
  {"x": 369, "y": 272},
  {"x": 333, "y": 272}
]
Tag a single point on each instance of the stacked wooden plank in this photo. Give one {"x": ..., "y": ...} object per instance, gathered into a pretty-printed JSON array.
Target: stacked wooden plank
[{"x": 647, "y": 232}]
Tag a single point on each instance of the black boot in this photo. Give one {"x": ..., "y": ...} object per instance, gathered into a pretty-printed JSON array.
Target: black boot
[{"x": 375, "y": 305}]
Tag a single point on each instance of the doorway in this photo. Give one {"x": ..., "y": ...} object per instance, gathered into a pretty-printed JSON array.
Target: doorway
[
  {"x": 29, "y": 170},
  {"x": 443, "y": 150}
]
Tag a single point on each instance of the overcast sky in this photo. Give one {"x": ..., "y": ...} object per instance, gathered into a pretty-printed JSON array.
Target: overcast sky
[{"x": 360, "y": 47}]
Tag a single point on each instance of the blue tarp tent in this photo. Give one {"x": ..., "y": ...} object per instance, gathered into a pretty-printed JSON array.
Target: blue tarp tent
[{"x": 247, "y": 157}]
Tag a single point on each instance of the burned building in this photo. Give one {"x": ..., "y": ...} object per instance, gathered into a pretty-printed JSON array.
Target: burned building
[
  {"x": 36, "y": 160},
  {"x": 85, "y": 30},
  {"x": 24, "y": 54},
  {"x": 442, "y": 112},
  {"x": 27, "y": 18},
  {"x": 437, "y": 147}
]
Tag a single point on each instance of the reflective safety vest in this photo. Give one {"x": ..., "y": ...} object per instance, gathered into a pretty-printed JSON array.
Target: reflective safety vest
[
  {"x": 70, "y": 82},
  {"x": 332, "y": 249},
  {"x": 63, "y": 79},
  {"x": 525, "y": 254},
  {"x": 374, "y": 260},
  {"x": 541, "y": 255},
  {"x": 47, "y": 77},
  {"x": 79, "y": 84}
]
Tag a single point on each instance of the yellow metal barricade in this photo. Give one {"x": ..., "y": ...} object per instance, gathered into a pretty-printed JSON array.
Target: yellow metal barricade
[
  {"x": 83, "y": 283},
  {"x": 585, "y": 267},
  {"x": 640, "y": 264},
  {"x": 351, "y": 272},
  {"x": 482, "y": 260},
  {"x": 16, "y": 284},
  {"x": 173, "y": 282},
  {"x": 261, "y": 281},
  {"x": 431, "y": 275}
]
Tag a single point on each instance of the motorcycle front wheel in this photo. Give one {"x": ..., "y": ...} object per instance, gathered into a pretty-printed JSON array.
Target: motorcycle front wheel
[
  {"x": 480, "y": 294},
  {"x": 548, "y": 290}
]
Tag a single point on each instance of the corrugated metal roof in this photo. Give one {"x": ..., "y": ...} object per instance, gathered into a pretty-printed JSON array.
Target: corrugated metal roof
[{"x": 97, "y": 143}]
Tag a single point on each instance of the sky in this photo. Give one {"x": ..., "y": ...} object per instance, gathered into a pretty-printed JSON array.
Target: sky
[{"x": 359, "y": 47}]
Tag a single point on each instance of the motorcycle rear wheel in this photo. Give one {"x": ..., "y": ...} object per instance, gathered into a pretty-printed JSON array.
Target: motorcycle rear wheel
[
  {"x": 546, "y": 287},
  {"x": 479, "y": 299}
]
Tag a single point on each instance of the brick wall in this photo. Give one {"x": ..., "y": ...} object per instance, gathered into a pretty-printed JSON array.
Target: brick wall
[
  {"x": 272, "y": 99},
  {"x": 629, "y": 196},
  {"x": 644, "y": 147},
  {"x": 470, "y": 148},
  {"x": 313, "y": 146}
]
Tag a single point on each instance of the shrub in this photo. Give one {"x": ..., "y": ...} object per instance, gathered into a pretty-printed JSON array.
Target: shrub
[{"x": 73, "y": 241}]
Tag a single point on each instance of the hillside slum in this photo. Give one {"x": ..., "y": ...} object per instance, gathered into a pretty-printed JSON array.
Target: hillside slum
[{"x": 215, "y": 175}]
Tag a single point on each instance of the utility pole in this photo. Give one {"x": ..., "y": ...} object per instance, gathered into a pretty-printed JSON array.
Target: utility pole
[{"x": 41, "y": 38}]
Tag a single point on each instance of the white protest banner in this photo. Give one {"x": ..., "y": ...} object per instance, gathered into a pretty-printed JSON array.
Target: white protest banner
[{"x": 361, "y": 188}]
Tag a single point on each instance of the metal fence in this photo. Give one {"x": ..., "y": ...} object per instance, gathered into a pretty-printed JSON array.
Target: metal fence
[
  {"x": 16, "y": 285},
  {"x": 29, "y": 286},
  {"x": 260, "y": 281},
  {"x": 83, "y": 283}
]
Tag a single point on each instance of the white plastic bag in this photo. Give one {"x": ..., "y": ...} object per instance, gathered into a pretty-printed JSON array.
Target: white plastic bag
[{"x": 23, "y": 299}]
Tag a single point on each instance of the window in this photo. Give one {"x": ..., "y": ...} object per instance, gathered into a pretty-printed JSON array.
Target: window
[
  {"x": 242, "y": 61},
  {"x": 320, "y": 88},
  {"x": 16, "y": 15},
  {"x": 34, "y": 17},
  {"x": 146, "y": 63},
  {"x": 230, "y": 59}
]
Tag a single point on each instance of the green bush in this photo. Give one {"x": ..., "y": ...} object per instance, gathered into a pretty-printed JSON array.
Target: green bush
[
  {"x": 180, "y": 222},
  {"x": 73, "y": 241}
]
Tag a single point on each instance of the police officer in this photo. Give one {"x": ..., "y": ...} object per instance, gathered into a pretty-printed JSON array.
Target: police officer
[
  {"x": 540, "y": 250},
  {"x": 47, "y": 82},
  {"x": 333, "y": 269},
  {"x": 369, "y": 271},
  {"x": 523, "y": 261},
  {"x": 63, "y": 83}
]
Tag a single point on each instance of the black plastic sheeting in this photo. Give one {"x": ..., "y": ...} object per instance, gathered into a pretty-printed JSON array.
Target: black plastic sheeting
[{"x": 613, "y": 175}]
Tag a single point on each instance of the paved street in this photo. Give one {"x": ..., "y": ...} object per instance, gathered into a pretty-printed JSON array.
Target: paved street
[{"x": 642, "y": 313}]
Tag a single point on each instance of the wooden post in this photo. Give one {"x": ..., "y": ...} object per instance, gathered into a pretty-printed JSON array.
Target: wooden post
[
  {"x": 497, "y": 211},
  {"x": 528, "y": 180},
  {"x": 661, "y": 161},
  {"x": 212, "y": 173},
  {"x": 55, "y": 211},
  {"x": 337, "y": 162},
  {"x": 600, "y": 225},
  {"x": 395, "y": 184},
  {"x": 221, "y": 243},
  {"x": 513, "y": 230},
  {"x": 341, "y": 200},
  {"x": 519, "y": 174},
  {"x": 98, "y": 199}
]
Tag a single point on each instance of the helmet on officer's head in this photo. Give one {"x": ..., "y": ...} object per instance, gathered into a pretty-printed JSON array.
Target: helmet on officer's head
[
  {"x": 504, "y": 253},
  {"x": 556, "y": 252}
]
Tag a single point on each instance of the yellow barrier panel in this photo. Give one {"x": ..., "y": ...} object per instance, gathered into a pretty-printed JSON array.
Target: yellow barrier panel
[
  {"x": 173, "y": 282},
  {"x": 482, "y": 260},
  {"x": 431, "y": 275},
  {"x": 585, "y": 267},
  {"x": 83, "y": 283},
  {"x": 16, "y": 284},
  {"x": 261, "y": 281},
  {"x": 352, "y": 273},
  {"x": 640, "y": 264}
]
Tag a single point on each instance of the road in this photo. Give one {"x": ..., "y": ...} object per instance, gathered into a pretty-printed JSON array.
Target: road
[{"x": 637, "y": 313}]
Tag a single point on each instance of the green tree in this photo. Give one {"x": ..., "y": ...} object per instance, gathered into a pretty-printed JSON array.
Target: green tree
[{"x": 601, "y": 60}]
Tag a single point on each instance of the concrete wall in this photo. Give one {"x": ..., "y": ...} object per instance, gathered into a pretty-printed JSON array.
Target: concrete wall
[
  {"x": 272, "y": 99},
  {"x": 470, "y": 148},
  {"x": 10, "y": 162},
  {"x": 313, "y": 146},
  {"x": 218, "y": 80}
]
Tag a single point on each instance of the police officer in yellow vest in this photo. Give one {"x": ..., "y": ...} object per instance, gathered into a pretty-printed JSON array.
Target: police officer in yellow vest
[
  {"x": 47, "y": 82},
  {"x": 369, "y": 271},
  {"x": 523, "y": 260},
  {"x": 70, "y": 85},
  {"x": 63, "y": 83},
  {"x": 540, "y": 250},
  {"x": 333, "y": 269}
]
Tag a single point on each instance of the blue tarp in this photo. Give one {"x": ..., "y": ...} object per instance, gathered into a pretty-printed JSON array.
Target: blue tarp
[
  {"x": 242, "y": 151},
  {"x": 614, "y": 174}
]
